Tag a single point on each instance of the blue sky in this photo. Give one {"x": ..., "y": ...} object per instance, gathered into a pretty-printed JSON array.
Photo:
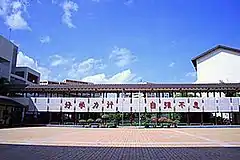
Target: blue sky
[{"x": 118, "y": 41}]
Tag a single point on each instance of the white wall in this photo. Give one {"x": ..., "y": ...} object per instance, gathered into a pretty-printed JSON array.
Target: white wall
[{"x": 220, "y": 65}]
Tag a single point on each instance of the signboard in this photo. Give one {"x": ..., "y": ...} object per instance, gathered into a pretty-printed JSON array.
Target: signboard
[
  {"x": 81, "y": 105},
  {"x": 41, "y": 104},
  {"x": 96, "y": 105},
  {"x": 235, "y": 104},
  {"x": 54, "y": 104},
  {"x": 224, "y": 104},
  {"x": 181, "y": 105},
  {"x": 167, "y": 105},
  {"x": 209, "y": 104},
  {"x": 196, "y": 105},
  {"x": 154, "y": 105}
]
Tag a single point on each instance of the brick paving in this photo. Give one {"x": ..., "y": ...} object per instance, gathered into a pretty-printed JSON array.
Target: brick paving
[{"x": 120, "y": 143}]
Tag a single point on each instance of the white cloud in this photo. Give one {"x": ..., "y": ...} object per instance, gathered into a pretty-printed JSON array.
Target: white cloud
[
  {"x": 171, "y": 64},
  {"x": 95, "y": 0},
  {"x": 13, "y": 13},
  {"x": 122, "y": 56},
  {"x": 86, "y": 67},
  {"x": 26, "y": 61},
  {"x": 191, "y": 74},
  {"x": 125, "y": 76},
  {"x": 57, "y": 60},
  {"x": 69, "y": 7},
  {"x": 45, "y": 39},
  {"x": 128, "y": 2},
  {"x": 54, "y": 1}
]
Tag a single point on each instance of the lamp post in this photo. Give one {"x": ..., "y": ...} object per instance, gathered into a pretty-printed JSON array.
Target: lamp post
[{"x": 122, "y": 106}]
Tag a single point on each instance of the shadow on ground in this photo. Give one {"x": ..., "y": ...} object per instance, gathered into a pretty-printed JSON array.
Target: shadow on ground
[{"x": 35, "y": 152}]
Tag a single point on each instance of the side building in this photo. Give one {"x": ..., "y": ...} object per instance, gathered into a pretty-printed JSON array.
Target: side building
[{"x": 12, "y": 110}]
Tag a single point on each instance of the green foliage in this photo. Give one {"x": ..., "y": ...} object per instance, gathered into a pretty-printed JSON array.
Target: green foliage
[
  {"x": 82, "y": 121},
  {"x": 90, "y": 120},
  {"x": 105, "y": 116},
  {"x": 99, "y": 120},
  {"x": 176, "y": 121},
  {"x": 162, "y": 119}
]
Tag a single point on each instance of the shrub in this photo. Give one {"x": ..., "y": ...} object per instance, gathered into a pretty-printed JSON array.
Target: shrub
[
  {"x": 99, "y": 120},
  {"x": 162, "y": 119},
  {"x": 82, "y": 121},
  {"x": 176, "y": 121},
  {"x": 90, "y": 120},
  {"x": 154, "y": 119},
  {"x": 105, "y": 116},
  {"x": 169, "y": 121}
]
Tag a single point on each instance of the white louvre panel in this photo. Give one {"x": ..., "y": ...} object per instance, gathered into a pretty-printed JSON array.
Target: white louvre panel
[
  {"x": 167, "y": 105},
  {"x": 96, "y": 104},
  {"x": 152, "y": 105},
  {"x": 135, "y": 105},
  {"x": 196, "y": 105},
  {"x": 209, "y": 104},
  {"x": 82, "y": 105},
  {"x": 41, "y": 104},
  {"x": 126, "y": 105},
  {"x": 181, "y": 104},
  {"x": 224, "y": 104},
  {"x": 54, "y": 104},
  {"x": 110, "y": 104},
  {"x": 118, "y": 105},
  {"x": 235, "y": 104},
  {"x": 32, "y": 106},
  {"x": 68, "y": 104}
]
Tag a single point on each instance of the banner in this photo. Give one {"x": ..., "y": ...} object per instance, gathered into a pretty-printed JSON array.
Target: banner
[
  {"x": 181, "y": 105},
  {"x": 152, "y": 105},
  {"x": 40, "y": 103},
  {"x": 196, "y": 105},
  {"x": 54, "y": 104},
  {"x": 82, "y": 104},
  {"x": 224, "y": 104},
  {"x": 209, "y": 104},
  {"x": 68, "y": 104},
  {"x": 96, "y": 105},
  {"x": 110, "y": 104},
  {"x": 235, "y": 104},
  {"x": 167, "y": 105}
]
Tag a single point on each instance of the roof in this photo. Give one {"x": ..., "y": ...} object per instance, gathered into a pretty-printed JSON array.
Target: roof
[
  {"x": 128, "y": 87},
  {"x": 9, "y": 101},
  {"x": 211, "y": 50}
]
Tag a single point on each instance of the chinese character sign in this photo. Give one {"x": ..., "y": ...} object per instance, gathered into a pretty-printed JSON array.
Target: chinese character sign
[
  {"x": 153, "y": 105},
  {"x": 96, "y": 105},
  {"x": 68, "y": 105},
  {"x": 196, "y": 105},
  {"x": 181, "y": 104},
  {"x": 109, "y": 104},
  {"x": 81, "y": 104},
  {"x": 167, "y": 105}
]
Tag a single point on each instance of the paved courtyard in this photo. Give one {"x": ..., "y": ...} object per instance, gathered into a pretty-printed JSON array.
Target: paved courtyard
[{"x": 120, "y": 143}]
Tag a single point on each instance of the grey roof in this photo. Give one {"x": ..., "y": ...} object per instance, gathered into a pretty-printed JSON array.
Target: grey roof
[
  {"x": 9, "y": 101},
  {"x": 133, "y": 87},
  {"x": 211, "y": 50}
]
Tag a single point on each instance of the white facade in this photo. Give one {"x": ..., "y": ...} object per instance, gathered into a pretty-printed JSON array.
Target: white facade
[{"x": 219, "y": 66}]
